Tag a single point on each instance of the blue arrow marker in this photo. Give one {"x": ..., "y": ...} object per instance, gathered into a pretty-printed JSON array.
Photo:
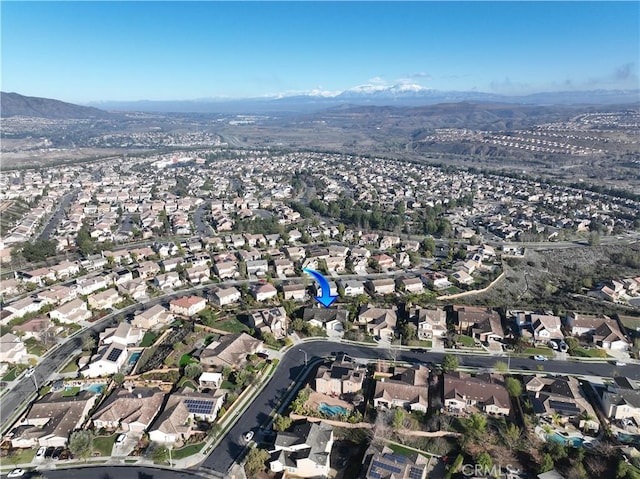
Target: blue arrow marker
[{"x": 326, "y": 299}]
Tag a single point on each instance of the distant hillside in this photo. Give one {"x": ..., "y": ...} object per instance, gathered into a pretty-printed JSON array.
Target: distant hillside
[{"x": 14, "y": 104}]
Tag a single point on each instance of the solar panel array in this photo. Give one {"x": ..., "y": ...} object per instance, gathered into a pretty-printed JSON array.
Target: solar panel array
[
  {"x": 386, "y": 467},
  {"x": 564, "y": 406},
  {"x": 114, "y": 354},
  {"x": 199, "y": 406},
  {"x": 415, "y": 473}
]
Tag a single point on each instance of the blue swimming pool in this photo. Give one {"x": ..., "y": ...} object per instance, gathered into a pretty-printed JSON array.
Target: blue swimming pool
[
  {"x": 134, "y": 357},
  {"x": 569, "y": 441},
  {"x": 95, "y": 388},
  {"x": 332, "y": 410}
]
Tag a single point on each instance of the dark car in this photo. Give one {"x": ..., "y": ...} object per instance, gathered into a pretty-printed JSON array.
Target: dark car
[
  {"x": 66, "y": 454},
  {"x": 49, "y": 452},
  {"x": 56, "y": 454}
]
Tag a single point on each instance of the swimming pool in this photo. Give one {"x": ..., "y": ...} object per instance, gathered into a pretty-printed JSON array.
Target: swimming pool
[
  {"x": 569, "y": 441},
  {"x": 134, "y": 357},
  {"x": 332, "y": 410},
  {"x": 95, "y": 388}
]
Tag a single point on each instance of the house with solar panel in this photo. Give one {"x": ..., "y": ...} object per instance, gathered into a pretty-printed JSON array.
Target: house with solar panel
[
  {"x": 386, "y": 464},
  {"x": 304, "y": 450},
  {"x": 178, "y": 420},
  {"x": 108, "y": 361}
]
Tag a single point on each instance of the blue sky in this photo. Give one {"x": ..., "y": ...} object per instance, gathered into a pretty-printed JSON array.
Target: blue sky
[{"x": 93, "y": 51}]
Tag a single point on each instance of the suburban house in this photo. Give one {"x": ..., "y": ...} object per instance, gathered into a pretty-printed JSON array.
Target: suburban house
[
  {"x": 462, "y": 277},
  {"x": 431, "y": 323},
  {"x": 167, "y": 280},
  {"x": 382, "y": 286},
  {"x": 34, "y": 328},
  {"x": 335, "y": 264},
  {"x": 546, "y": 328},
  {"x": 124, "y": 333},
  {"x": 378, "y": 322},
  {"x": 272, "y": 320},
  {"x": 104, "y": 300},
  {"x": 436, "y": 280},
  {"x": 466, "y": 317},
  {"x": 152, "y": 317},
  {"x": 560, "y": 398},
  {"x": 178, "y": 420},
  {"x": 198, "y": 274},
  {"x": 484, "y": 392},
  {"x": 343, "y": 376},
  {"x": 225, "y": 296},
  {"x": 352, "y": 287},
  {"x": 330, "y": 319},
  {"x": 59, "y": 294},
  {"x": 411, "y": 285},
  {"x": 621, "y": 399},
  {"x": 148, "y": 269},
  {"x": 383, "y": 261},
  {"x": 12, "y": 349},
  {"x": 604, "y": 331},
  {"x": 257, "y": 268},
  {"x": 389, "y": 465},
  {"x": 22, "y": 307},
  {"x": 408, "y": 389},
  {"x": 303, "y": 450},
  {"x": 295, "y": 291},
  {"x": 90, "y": 285},
  {"x": 72, "y": 312},
  {"x": 136, "y": 288},
  {"x": 187, "y": 305},
  {"x": 488, "y": 329},
  {"x": 37, "y": 276},
  {"x": 263, "y": 292},
  {"x": 284, "y": 267},
  {"x": 230, "y": 350},
  {"x": 108, "y": 361},
  {"x": 129, "y": 410},
  {"x": 51, "y": 420}
]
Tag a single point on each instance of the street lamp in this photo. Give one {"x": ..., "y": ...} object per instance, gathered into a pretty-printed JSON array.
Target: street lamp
[
  {"x": 305, "y": 356},
  {"x": 170, "y": 462}
]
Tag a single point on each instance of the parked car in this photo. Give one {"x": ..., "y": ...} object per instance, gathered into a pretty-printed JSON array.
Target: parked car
[
  {"x": 539, "y": 357},
  {"x": 29, "y": 372},
  {"x": 49, "y": 452},
  {"x": 56, "y": 454},
  {"x": 247, "y": 436},
  {"x": 16, "y": 473},
  {"x": 121, "y": 438},
  {"x": 41, "y": 452},
  {"x": 620, "y": 363}
]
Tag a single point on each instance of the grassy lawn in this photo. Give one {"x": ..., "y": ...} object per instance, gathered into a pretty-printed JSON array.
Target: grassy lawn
[
  {"x": 186, "y": 359},
  {"x": 71, "y": 367},
  {"x": 630, "y": 322},
  {"x": 422, "y": 344},
  {"x": 452, "y": 290},
  {"x": 35, "y": 347},
  {"x": 227, "y": 385},
  {"x": 231, "y": 325},
  {"x": 590, "y": 353},
  {"x": 104, "y": 444},
  {"x": 71, "y": 391},
  {"x": 187, "y": 451},
  {"x": 540, "y": 351},
  {"x": 11, "y": 375},
  {"x": 467, "y": 341},
  {"x": 187, "y": 382},
  {"x": 21, "y": 456},
  {"x": 148, "y": 339}
]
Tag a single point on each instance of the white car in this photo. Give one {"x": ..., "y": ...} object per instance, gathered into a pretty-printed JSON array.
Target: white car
[
  {"x": 539, "y": 357},
  {"x": 247, "y": 436},
  {"x": 41, "y": 452},
  {"x": 16, "y": 473},
  {"x": 620, "y": 363},
  {"x": 121, "y": 438},
  {"x": 29, "y": 372}
]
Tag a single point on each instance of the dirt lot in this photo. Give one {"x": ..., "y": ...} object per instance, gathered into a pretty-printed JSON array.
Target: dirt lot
[{"x": 558, "y": 279}]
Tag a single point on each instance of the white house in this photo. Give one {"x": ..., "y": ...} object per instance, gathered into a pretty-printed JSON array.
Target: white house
[
  {"x": 12, "y": 349},
  {"x": 72, "y": 312},
  {"x": 107, "y": 362}
]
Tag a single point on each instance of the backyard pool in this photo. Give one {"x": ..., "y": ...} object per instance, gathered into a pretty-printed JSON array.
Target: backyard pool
[
  {"x": 325, "y": 408},
  {"x": 569, "y": 441},
  {"x": 95, "y": 388},
  {"x": 134, "y": 357}
]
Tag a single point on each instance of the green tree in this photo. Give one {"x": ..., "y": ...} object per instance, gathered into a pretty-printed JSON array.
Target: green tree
[
  {"x": 511, "y": 436},
  {"x": 398, "y": 419},
  {"x": 501, "y": 367},
  {"x": 281, "y": 423},
  {"x": 476, "y": 424},
  {"x": 449, "y": 363},
  {"x": 547, "y": 463},
  {"x": 192, "y": 370},
  {"x": 160, "y": 454},
  {"x": 255, "y": 462},
  {"x": 513, "y": 386},
  {"x": 428, "y": 246},
  {"x": 118, "y": 378},
  {"x": 484, "y": 460},
  {"x": 81, "y": 443}
]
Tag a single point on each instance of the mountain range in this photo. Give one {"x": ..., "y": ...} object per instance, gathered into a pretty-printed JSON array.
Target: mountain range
[{"x": 402, "y": 95}]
